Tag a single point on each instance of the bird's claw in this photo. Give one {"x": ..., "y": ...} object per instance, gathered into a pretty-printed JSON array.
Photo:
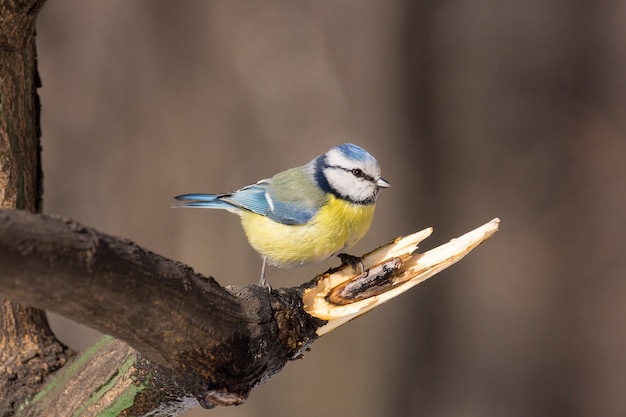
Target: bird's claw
[{"x": 353, "y": 261}]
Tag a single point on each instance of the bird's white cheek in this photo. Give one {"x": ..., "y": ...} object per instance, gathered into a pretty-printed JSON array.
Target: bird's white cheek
[
  {"x": 342, "y": 181},
  {"x": 350, "y": 187}
]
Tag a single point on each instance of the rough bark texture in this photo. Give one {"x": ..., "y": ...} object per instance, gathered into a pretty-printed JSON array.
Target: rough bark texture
[
  {"x": 109, "y": 378},
  {"x": 28, "y": 353},
  {"x": 28, "y": 349},
  {"x": 219, "y": 343},
  {"x": 20, "y": 150}
]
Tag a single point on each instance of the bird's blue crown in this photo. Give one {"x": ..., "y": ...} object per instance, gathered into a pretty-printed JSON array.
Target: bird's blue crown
[{"x": 355, "y": 152}]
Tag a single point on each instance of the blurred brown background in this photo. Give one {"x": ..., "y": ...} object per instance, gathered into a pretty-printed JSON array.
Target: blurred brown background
[{"x": 475, "y": 109}]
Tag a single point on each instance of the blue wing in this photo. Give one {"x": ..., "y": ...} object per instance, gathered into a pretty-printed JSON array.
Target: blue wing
[{"x": 256, "y": 198}]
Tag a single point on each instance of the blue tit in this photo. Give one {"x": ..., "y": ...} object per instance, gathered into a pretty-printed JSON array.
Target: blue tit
[{"x": 308, "y": 213}]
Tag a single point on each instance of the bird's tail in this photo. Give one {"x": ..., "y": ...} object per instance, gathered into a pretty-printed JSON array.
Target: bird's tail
[{"x": 201, "y": 201}]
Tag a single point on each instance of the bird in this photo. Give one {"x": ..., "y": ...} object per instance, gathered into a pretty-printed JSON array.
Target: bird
[{"x": 304, "y": 214}]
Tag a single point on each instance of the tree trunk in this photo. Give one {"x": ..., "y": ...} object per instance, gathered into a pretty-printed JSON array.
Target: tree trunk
[{"x": 28, "y": 349}]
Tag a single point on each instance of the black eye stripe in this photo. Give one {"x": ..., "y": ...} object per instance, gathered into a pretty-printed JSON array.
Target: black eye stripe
[{"x": 357, "y": 172}]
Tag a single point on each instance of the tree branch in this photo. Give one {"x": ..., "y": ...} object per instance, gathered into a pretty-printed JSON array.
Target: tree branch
[
  {"x": 221, "y": 343},
  {"x": 218, "y": 342}
]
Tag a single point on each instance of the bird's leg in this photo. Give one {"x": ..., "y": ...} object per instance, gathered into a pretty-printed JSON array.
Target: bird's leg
[
  {"x": 353, "y": 261},
  {"x": 263, "y": 282}
]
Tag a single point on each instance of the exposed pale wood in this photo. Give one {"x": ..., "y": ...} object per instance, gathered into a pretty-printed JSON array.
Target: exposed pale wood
[{"x": 390, "y": 270}]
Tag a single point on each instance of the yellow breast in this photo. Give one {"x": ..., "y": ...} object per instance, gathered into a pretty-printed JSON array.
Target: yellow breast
[{"x": 337, "y": 226}]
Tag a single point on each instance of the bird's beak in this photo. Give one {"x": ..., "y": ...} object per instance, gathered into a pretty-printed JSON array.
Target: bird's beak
[{"x": 381, "y": 183}]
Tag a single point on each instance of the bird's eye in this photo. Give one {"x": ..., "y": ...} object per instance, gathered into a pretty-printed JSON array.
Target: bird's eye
[{"x": 357, "y": 173}]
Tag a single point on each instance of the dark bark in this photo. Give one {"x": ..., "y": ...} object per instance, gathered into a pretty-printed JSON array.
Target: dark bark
[
  {"x": 221, "y": 343},
  {"x": 28, "y": 349},
  {"x": 20, "y": 149}
]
